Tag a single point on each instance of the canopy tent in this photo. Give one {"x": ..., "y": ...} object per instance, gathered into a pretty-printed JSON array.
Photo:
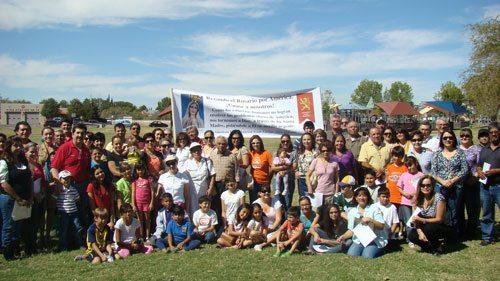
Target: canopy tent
[
  {"x": 447, "y": 107},
  {"x": 354, "y": 106},
  {"x": 393, "y": 108}
]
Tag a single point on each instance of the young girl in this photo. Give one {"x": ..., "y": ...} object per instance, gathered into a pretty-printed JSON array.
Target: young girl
[
  {"x": 128, "y": 234},
  {"x": 142, "y": 198},
  {"x": 124, "y": 186},
  {"x": 39, "y": 184},
  {"x": 236, "y": 235},
  {"x": 407, "y": 186},
  {"x": 101, "y": 193},
  {"x": 132, "y": 153},
  {"x": 281, "y": 160},
  {"x": 258, "y": 226},
  {"x": 231, "y": 199},
  {"x": 325, "y": 234}
]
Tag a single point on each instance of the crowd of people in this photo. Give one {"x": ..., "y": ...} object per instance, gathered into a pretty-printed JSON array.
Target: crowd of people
[{"x": 358, "y": 194}]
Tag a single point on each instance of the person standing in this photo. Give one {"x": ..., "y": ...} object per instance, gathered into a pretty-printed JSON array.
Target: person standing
[{"x": 374, "y": 154}]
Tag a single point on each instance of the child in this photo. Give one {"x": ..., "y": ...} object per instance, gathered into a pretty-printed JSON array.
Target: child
[
  {"x": 280, "y": 161},
  {"x": 393, "y": 171},
  {"x": 389, "y": 212},
  {"x": 371, "y": 184},
  {"x": 128, "y": 234},
  {"x": 231, "y": 199},
  {"x": 99, "y": 159},
  {"x": 236, "y": 235},
  {"x": 101, "y": 193},
  {"x": 258, "y": 227},
  {"x": 99, "y": 240},
  {"x": 345, "y": 198},
  {"x": 205, "y": 221},
  {"x": 124, "y": 186},
  {"x": 132, "y": 153},
  {"x": 70, "y": 229},
  {"x": 142, "y": 199},
  {"x": 290, "y": 233},
  {"x": 163, "y": 217},
  {"x": 180, "y": 232},
  {"x": 407, "y": 186}
]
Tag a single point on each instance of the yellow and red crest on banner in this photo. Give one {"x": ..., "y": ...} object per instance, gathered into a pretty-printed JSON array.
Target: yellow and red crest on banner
[{"x": 305, "y": 107}]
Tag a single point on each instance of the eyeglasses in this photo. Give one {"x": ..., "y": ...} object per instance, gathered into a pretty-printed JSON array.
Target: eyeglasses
[
  {"x": 264, "y": 191},
  {"x": 285, "y": 141},
  {"x": 235, "y": 138},
  {"x": 447, "y": 138},
  {"x": 426, "y": 185},
  {"x": 164, "y": 145},
  {"x": 387, "y": 134},
  {"x": 209, "y": 138},
  {"x": 415, "y": 140},
  {"x": 149, "y": 141},
  {"x": 464, "y": 136}
]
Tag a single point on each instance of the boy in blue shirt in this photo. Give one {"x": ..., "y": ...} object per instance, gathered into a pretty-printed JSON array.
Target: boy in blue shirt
[{"x": 180, "y": 232}]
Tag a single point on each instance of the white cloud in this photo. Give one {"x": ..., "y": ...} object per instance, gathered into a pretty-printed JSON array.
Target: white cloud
[
  {"x": 21, "y": 14},
  {"x": 411, "y": 39},
  {"x": 492, "y": 11}
]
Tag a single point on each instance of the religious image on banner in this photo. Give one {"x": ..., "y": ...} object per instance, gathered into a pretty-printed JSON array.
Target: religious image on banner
[{"x": 192, "y": 110}]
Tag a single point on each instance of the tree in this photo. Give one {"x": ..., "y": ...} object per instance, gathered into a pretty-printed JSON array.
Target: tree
[
  {"x": 63, "y": 104},
  {"x": 163, "y": 103},
  {"x": 450, "y": 92},
  {"x": 399, "y": 91},
  {"x": 90, "y": 109},
  {"x": 75, "y": 107},
  {"x": 481, "y": 81},
  {"x": 367, "y": 89},
  {"x": 326, "y": 101},
  {"x": 50, "y": 108}
]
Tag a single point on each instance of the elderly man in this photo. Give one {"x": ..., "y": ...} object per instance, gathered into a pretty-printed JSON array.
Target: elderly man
[
  {"x": 441, "y": 126},
  {"x": 225, "y": 163},
  {"x": 353, "y": 142},
  {"x": 374, "y": 154},
  {"x": 335, "y": 124}
]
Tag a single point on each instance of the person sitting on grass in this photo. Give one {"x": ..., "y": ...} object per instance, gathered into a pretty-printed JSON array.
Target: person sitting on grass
[
  {"x": 389, "y": 212},
  {"x": 289, "y": 233},
  {"x": 258, "y": 227},
  {"x": 205, "y": 221},
  {"x": 236, "y": 234},
  {"x": 99, "y": 240},
  {"x": 163, "y": 217},
  {"x": 345, "y": 198},
  {"x": 128, "y": 234},
  {"x": 324, "y": 235},
  {"x": 70, "y": 229},
  {"x": 180, "y": 232}
]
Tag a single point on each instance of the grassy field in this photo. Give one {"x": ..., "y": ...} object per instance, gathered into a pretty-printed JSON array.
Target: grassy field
[{"x": 467, "y": 261}]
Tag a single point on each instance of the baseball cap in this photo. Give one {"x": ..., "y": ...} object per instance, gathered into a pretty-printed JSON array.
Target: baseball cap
[
  {"x": 64, "y": 174},
  {"x": 482, "y": 132},
  {"x": 347, "y": 181}
]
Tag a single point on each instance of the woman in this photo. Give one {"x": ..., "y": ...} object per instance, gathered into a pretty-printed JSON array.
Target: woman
[
  {"x": 273, "y": 210},
  {"x": 39, "y": 188},
  {"x": 115, "y": 158},
  {"x": 152, "y": 158},
  {"x": 236, "y": 144},
  {"x": 158, "y": 135},
  {"x": 403, "y": 139},
  {"x": 47, "y": 145},
  {"x": 369, "y": 215},
  {"x": 286, "y": 145},
  {"x": 208, "y": 143},
  {"x": 449, "y": 168},
  {"x": 17, "y": 188},
  {"x": 324, "y": 234},
  {"x": 165, "y": 148},
  {"x": 89, "y": 139},
  {"x": 327, "y": 173},
  {"x": 192, "y": 117},
  {"x": 261, "y": 161},
  {"x": 422, "y": 154},
  {"x": 182, "y": 149},
  {"x": 471, "y": 183},
  {"x": 319, "y": 137},
  {"x": 175, "y": 183},
  {"x": 344, "y": 157},
  {"x": 202, "y": 174},
  {"x": 428, "y": 225},
  {"x": 304, "y": 159},
  {"x": 390, "y": 137},
  {"x": 307, "y": 216}
]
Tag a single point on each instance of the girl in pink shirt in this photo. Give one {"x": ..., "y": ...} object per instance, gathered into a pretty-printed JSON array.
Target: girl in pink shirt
[
  {"x": 142, "y": 199},
  {"x": 407, "y": 184}
]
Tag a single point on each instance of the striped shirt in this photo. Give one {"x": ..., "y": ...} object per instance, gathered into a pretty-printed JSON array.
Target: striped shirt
[{"x": 66, "y": 201}]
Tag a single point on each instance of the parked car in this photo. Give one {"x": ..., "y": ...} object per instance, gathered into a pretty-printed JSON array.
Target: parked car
[
  {"x": 52, "y": 123},
  {"x": 96, "y": 123},
  {"x": 157, "y": 124}
]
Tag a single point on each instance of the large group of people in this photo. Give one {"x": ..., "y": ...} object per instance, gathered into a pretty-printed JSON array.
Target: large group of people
[{"x": 357, "y": 193}]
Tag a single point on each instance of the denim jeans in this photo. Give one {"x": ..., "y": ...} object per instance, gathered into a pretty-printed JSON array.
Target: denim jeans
[
  {"x": 162, "y": 243},
  {"x": 254, "y": 192},
  {"x": 302, "y": 187},
  {"x": 332, "y": 249},
  {"x": 370, "y": 252},
  {"x": 84, "y": 212},
  {"x": 70, "y": 231},
  {"x": 490, "y": 195},
  {"x": 6, "y": 207},
  {"x": 454, "y": 203},
  {"x": 209, "y": 237}
]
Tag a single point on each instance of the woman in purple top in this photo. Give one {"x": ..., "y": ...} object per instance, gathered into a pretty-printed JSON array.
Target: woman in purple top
[
  {"x": 471, "y": 183},
  {"x": 344, "y": 157}
]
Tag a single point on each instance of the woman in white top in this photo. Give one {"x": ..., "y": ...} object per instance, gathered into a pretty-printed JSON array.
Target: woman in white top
[
  {"x": 182, "y": 149},
  {"x": 271, "y": 207},
  {"x": 175, "y": 183},
  {"x": 201, "y": 172}
]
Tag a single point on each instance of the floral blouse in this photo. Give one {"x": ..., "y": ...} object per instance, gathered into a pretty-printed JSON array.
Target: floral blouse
[
  {"x": 449, "y": 168},
  {"x": 303, "y": 162}
]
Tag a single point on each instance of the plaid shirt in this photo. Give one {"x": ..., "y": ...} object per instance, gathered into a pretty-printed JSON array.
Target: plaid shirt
[{"x": 225, "y": 164}]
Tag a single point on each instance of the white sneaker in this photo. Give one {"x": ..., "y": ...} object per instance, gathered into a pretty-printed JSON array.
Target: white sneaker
[
  {"x": 411, "y": 245},
  {"x": 258, "y": 248},
  {"x": 277, "y": 192},
  {"x": 284, "y": 193}
]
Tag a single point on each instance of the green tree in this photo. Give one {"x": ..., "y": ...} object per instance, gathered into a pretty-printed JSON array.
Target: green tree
[
  {"x": 450, "y": 92},
  {"x": 63, "y": 104},
  {"x": 367, "y": 89},
  {"x": 399, "y": 91},
  {"x": 75, "y": 107},
  {"x": 50, "y": 108},
  {"x": 163, "y": 103},
  {"x": 326, "y": 100},
  {"x": 481, "y": 81},
  {"x": 90, "y": 109}
]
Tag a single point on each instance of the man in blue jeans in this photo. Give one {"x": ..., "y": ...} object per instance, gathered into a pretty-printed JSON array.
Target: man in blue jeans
[{"x": 490, "y": 191}]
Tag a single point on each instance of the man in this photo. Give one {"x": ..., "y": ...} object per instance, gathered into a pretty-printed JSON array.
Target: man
[
  {"x": 374, "y": 154},
  {"x": 425, "y": 129},
  {"x": 335, "y": 125},
  {"x": 490, "y": 190},
  {"x": 225, "y": 163},
  {"x": 308, "y": 127},
  {"x": 135, "y": 131},
  {"x": 343, "y": 124},
  {"x": 441, "y": 126},
  {"x": 193, "y": 133},
  {"x": 353, "y": 142},
  {"x": 381, "y": 124},
  {"x": 74, "y": 156},
  {"x": 168, "y": 134},
  {"x": 484, "y": 137},
  {"x": 66, "y": 128},
  {"x": 120, "y": 131},
  {"x": 23, "y": 131}
]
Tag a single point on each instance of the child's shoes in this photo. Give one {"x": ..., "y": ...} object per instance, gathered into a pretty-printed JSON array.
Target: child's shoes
[
  {"x": 277, "y": 254},
  {"x": 287, "y": 254},
  {"x": 258, "y": 247}
]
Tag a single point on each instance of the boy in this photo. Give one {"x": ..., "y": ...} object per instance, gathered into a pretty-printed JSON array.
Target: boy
[
  {"x": 289, "y": 233},
  {"x": 345, "y": 198},
  {"x": 163, "y": 217},
  {"x": 124, "y": 185},
  {"x": 180, "y": 232},
  {"x": 128, "y": 233},
  {"x": 205, "y": 221},
  {"x": 99, "y": 240},
  {"x": 371, "y": 184},
  {"x": 389, "y": 212},
  {"x": 70, "y": 229},
  {"x": 393, "y": 171}
]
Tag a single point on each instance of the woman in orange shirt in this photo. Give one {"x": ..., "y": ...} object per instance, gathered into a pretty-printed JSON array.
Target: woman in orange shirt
[{"x": 260, "y": 161}]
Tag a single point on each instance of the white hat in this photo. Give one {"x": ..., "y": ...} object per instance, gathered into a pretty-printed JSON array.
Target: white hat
[
  {"x": 64, "y": 174},
  {"x": 194, "y": 145},
  {"x": 171, "y": 157}
]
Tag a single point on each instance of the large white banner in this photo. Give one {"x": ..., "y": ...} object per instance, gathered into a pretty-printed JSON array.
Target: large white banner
[{"x": 267, "y": 116}]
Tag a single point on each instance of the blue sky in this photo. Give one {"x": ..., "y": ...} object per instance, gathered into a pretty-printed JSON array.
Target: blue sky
[{"x": 137, "y": 50}]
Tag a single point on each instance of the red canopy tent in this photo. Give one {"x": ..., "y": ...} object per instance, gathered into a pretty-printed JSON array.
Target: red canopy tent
[{"x": 393, "y": 108}]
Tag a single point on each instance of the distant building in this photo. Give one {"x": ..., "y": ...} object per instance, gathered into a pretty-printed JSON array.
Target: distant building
[{"x": 11, "y": 113}]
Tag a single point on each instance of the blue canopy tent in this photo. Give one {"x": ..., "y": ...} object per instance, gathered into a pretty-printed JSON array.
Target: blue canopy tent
[{"x": 447, "y": 107}]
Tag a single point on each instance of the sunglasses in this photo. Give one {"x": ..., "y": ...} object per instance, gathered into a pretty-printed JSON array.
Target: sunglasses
[
  {"x": 387, "y": 134},
  {"x": 324, "y": 150},
  {"x": 415, "y": 140},
  {"x": 164, "y": 145},
  {"x": 169, "y": 164},
  {"x": 447, "y": 138},
  {"x": 426, "y": 185},
  {"x": 209, "y": 138},
  {"x": 265, "y": 191},
  {"x": 464, "y": 136},
  {"x": 149, "y": 141},
  {"x": 255, "y": 143},
  {"x": 285, "y": 141}
]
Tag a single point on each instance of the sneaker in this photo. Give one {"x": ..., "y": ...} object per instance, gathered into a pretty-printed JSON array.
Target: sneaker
[
  {"x": 80, "y": 258},
  {"x": 277, "y": 254},
  {"x": 258, "y": 248},
  {"x": 411, "y": 245},
  {"x": 284, "y": 193},
  {"x": 277, "y": 192},
  {"x": 287, "y": 254},
  {"x": 485, "y": 243}
]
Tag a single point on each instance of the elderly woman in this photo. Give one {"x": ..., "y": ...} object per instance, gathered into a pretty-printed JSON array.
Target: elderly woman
[
  {"x": 428, "y": 224},
  {"x": 261, "y": 161},
  {"x": 175, "y": 183},
  {"x": 208, "y": 143},
  {"x": 327, "y": 173},
  {"x": 202, "y": 174},
  {"x": 236, "y": 145},
  {"x": 449, "y": 168},
  {"x": 304, "y": 159}
]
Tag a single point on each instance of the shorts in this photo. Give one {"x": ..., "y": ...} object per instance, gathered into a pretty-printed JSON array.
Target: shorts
[
  {"x": 93, "y": 255},
  {"x": 142, "y": 207}
]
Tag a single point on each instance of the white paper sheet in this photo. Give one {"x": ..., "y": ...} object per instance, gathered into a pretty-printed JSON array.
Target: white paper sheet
[
  {"x": 364, "y": 233},
  {"x": 37, "y": 186},
  {"x": 486, "y": 167},
  {"x": 321, "y": 248},
  {"x": 20, "y": 212},
  {"x": 316, "y": 200},
  {"x": 414, "y": 214}
]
